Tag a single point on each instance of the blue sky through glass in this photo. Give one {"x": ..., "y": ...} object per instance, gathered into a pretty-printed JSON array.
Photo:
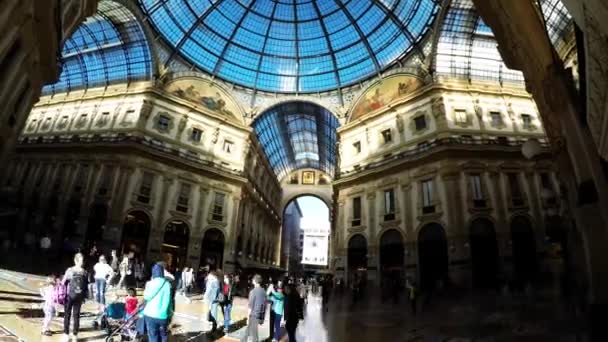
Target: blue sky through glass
[
  {"x": 292, "y": 46},
  {"x": 314, "y": 211}
]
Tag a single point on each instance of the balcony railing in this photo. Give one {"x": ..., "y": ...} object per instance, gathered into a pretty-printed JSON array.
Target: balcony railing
[
  {"x": 432, "y": 146},
  {"x": 128, "y": 140}
]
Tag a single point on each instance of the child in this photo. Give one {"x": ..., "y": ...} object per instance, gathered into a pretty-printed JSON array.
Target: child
[
  {"x": 47, "y": 293},
  {"x": 131, "y": 303}
]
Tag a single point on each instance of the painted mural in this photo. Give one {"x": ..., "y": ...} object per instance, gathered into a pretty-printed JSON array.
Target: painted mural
[
  {"x": 384, "y": 92},
  {"x": 204, "y": 93}
]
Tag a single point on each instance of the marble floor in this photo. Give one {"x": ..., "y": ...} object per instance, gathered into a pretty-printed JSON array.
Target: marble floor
[{"x": 455, "y": 317}]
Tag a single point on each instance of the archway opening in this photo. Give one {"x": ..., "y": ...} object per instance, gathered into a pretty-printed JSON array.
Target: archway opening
[
  {"x": 484, "y": 253},
  {"x": 305, "y": 234},
  {"x": 98, "y": 215},
  {"x": 357, "y": 259},
  {"x": 391, "y": 257},
  {"x": 524, "y": 251},
  {"x": 432, "y": 255},
  {"x": 135, "y": 233},
  {"x": 212, "y": 249},
  {"x": 175, "y": 244}
]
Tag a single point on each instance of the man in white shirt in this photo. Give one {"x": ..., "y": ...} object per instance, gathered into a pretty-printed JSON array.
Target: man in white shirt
[{"x": 103, "y": 272}]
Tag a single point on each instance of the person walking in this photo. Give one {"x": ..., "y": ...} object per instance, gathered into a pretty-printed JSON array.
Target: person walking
[
  {"x": 124, "y": 264},
  {"x": 103, "y": 272},
  {"x": 256, "y": 309},
  {"x": 325, "y": 292},
  {"x": 269, "y": 290},
  {"x": 157, "y": 295},
  {"x": 75, "y": 278},
  {"x": 226, "y": 303},
  {"x": 293, "y": 311},
  {"x": 212, "y": 290},
  {"x": 47, "y": 294},
  {"x": 277, "y": 298},
  {"x": 412, "y": 294}
]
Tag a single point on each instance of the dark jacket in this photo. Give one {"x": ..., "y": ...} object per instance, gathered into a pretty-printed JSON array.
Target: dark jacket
[{"x": 294, "y": 308}]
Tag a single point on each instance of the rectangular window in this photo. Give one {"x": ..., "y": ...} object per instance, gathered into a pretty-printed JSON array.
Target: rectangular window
[
  {"x": 218, "y": 207},
  {"x": 196, "y": 135},
  {"x": 145, "y": 188},
  {"x": 356, "y": 211},
  {"x": 460, "y": 116},
  {"x": 163, "y": 122},
  {"x": 357, "y": 147},
  {"x": 228, "y": 146},
  {"x": 420, "y": 122},
  {"x": 496, "y": 119},
  {"x": 183, "y": 198},
  {"x": 479, "y": 200},
  {"x": 516, "y": 195},
  {"x": 526, "y": 120},
  {"x": 427, "y": 197},
  {"x": 106, "y": 180},
  {"x": 387, "y": 136},
  {"x": 389, "y": 205}
]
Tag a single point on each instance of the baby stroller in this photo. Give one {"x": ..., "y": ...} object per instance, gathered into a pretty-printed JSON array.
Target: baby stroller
[{"x": 115, "y": 322}]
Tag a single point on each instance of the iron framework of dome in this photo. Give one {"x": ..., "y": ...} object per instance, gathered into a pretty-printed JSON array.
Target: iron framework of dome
[
  {"x": 108, "y": 48},
  {"x": 292, "y": 46},
  {"x": 296, "y": 135}
]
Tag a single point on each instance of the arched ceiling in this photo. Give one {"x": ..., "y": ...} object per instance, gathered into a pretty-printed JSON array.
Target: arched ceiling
[
  {"x": 292, "y": 46},
  {"x": 297, "y": 135},
  {"x": 108, "y": 48}
]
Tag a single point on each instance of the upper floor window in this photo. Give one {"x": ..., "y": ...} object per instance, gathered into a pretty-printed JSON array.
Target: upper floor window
[
  {"x": 387, "y": 136},
  {"x": 420, "y": 122},
  {"x": 106, "y": 180},
  {"x": 196, "y": 135},
  {"x": 496, "y": 119},
  {"x": 460, "y": 117},
  {"x": 183, "y": 198},
  {"x": 427, "y": 196},
  {"x": 145, "y": 188},
  {"x": 163, "y": 122},
  {"x": 476, "y": 187},
  {"x": 356, "y": 211},
  {"x": 515, "y": 189},
  {"x": 228, "y": 146},
  {"x": 389, "y": 205},
  {"x": 218, "y": 207},
  {"x": 526, "y": 120},
  {"x": 357, "y": 147}
]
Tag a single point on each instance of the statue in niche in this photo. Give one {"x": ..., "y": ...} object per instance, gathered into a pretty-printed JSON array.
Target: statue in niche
[
  {"x": 400, "y": 124},
  {"x": 438, "y": 108},
  {"x": 215, "y": 135},
  {"x": 478, "y": 109}
]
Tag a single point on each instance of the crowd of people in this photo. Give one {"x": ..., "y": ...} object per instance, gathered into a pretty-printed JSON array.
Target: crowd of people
[{"x": 92, "y": 275}]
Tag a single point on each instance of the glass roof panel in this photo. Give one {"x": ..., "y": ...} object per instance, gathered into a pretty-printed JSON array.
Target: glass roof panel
[
  {"x": 108, "y": 48},
  {"x": 297, "y": 135},
  {"x": 356, "y": 30}
]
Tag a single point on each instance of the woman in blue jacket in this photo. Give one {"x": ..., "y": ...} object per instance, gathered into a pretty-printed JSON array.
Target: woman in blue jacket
[{"x": 157, "y": 295}]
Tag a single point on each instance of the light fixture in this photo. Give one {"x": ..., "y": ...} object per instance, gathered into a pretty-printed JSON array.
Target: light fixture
[{"x": 531, "y": 148}]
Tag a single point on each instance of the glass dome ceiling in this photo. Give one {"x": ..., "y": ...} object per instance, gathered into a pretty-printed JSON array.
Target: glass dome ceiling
[{"x": 291, "y": 45}]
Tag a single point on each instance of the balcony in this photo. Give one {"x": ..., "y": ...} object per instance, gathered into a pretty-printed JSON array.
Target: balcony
[
  {"x": 437, "y": 145},
  {"x": 122, "y": 140}
]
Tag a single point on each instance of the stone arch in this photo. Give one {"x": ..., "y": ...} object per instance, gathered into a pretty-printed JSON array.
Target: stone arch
[
  {"x": 357, "y": 247},
  {"x": 296, "y": 98},
  {"x": 136, "y": 228},
  {"x": 523, "y": 243},
  {"x": 212, "y": 248},
  {"x": 484, "y": 252},
  {"x": 176, "y": 238},
  {"x": 324, "y": 196},
  {"x": 391, "y": 253},
  {"x": 432, "y": 255}
]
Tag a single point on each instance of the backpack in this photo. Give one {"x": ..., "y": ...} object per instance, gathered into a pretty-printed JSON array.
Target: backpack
[
  {"x": 60, "y": 294},
  {"x": 78, "y": 285}
]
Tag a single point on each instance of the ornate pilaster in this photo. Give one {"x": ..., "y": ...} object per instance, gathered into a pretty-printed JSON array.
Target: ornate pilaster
[{"x": 157, "y": 232}]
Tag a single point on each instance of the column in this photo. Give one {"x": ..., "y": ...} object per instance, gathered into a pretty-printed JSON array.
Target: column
[
  {"x": 120, "y": 197},
  {"x": 372, "y": 246},
  {"x": 163, "y": 199},
  {"x": 231, "y": 234},
  {"x": 88, "y": 196}
]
